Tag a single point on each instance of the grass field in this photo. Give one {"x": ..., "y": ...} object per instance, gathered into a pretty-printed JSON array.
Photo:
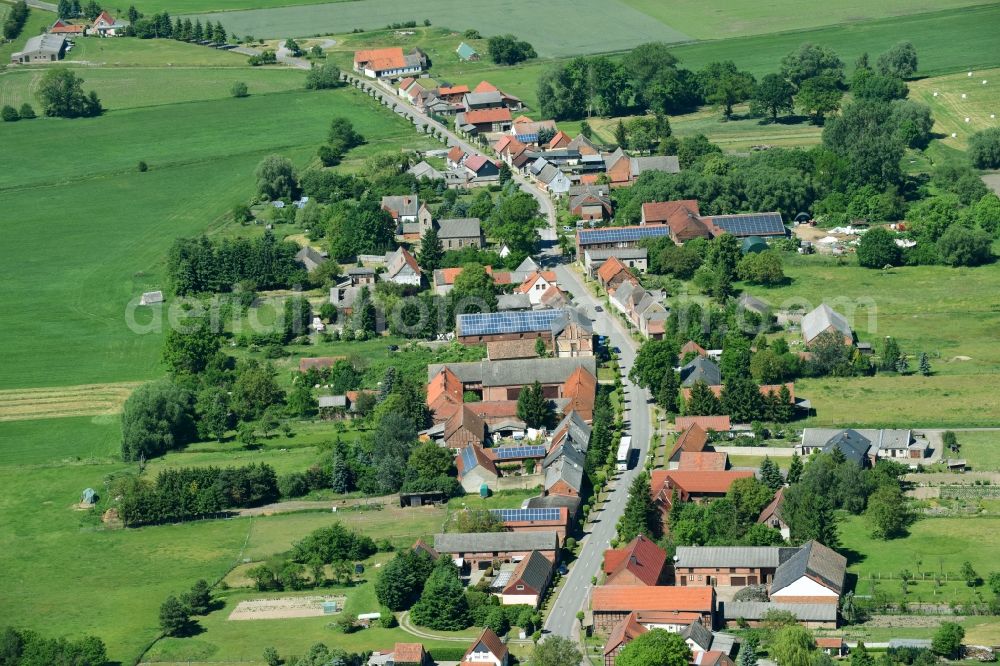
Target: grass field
[
  {"x": 40, "y": 442},
  {"x": 942, "y": 311},
  {"x": 563, "y": 28},
  {"x": 201, "y": 157},
  {"x": 944, "y": 96},
  {"x": 981, "y": 449},
  {"x": 934, "y": 547}
]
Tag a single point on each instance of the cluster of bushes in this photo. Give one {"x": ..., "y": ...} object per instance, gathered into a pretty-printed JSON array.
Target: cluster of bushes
[
  {"x": 323, "y": 77},
  {"x": 188, "y": 493},
  {"x": 176, "y": 610},
  {"x": 9, "y": 114},
  {"x": 341, "y": 137},
  {"x": 729, "y": 521},
  {"x": 23, "y": 647},
  {"x": 62, "y": 96},
  {"x": 509, "y": 50},
  {"x": 333, "y": 544},
  {"x": 201, "y": 265},
  {"x": 15, "y": 20},
  {"x": 265, "y": 57}
]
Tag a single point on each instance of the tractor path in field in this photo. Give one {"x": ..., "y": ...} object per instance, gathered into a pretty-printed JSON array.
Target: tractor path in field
[{"x": 64, "y": 401}]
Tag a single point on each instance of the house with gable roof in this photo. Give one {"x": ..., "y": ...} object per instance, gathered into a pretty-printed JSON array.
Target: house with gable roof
[
  {"x": 389, "y": 63},
  {"x": 529, "y": 581},
  {"x": 401, "y": 268},
  {"x": 591, "y": 204},
  {"x": 106, "y": 25},
  {"x": 487, "y": 650},
  {"x": 823, "y": 319},
  {"x": 640, "y": 562},
  {"x": 537, "y": 284}
]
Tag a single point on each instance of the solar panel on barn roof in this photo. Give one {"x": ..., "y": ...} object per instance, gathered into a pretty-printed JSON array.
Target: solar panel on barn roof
[
  {"x": 751, "y": 224},
  {"x": 525, "y": 515},
  {"x": 493, "y": 323},
  {"x": 509, "y": 452},
  {"x": 622, "y": 234}
]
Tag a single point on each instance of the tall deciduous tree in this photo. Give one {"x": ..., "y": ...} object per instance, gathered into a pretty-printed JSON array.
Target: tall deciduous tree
[
  {"x": 723, "y": 85},
  {"x": 556, "y": 651},
  {"x": 656, "y": 647},
  {"x": 533, "y": 407},
  {"x": 772, "y": 95},
  {"x": 157, "y": 417},
  {"x": 276, "y": 178}
]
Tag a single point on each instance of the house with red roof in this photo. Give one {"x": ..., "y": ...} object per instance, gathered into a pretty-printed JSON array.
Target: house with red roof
[
  {"x": 641, "y": 562},
  {"x": 62, "y": 27},
  {"x": 560, "y": 140},
  {"x": 624, "y": 633},
  {"x": 482, "y": 121},
  {"x": 536, "y": 284},
  {"x": 389, "y": 63},
  {"x": 719, "y": 424},
  {"x": 691, "y": 485},
  {"x": 703, "y": 461},
  {"x": 455, "y": 157},
  {"x": 401, "y": 268},
  {"x": 661, "y": 606},
  {"x": 612, "y": 273},
  {"x": 693, "y": 439},
  {"x": 771, "y": 515},
  {"x": 453, "y": 94},
  {"x": 106, "y": 25},
  {"x": 481, "y": 168}
]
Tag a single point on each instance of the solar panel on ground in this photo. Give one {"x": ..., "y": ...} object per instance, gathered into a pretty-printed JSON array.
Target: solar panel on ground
[
  {"x": 751, "y": 224},
  {"x": 622, "y": 234},
  {"x": 508, "y": 452},
  {"x": 492, "y": 323},
  {"x": 525, "y": 515}
]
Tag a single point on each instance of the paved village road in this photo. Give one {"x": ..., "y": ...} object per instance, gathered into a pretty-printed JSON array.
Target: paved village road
[{"x": 575, "y": 593}]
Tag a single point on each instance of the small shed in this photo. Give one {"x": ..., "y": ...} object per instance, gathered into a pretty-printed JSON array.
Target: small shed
[
  {"x": 89, "y": 496},
  {"x": 467, "y": 53},
  {"x": 151, "y": 297},
  {"x": 752, "y": 244}
]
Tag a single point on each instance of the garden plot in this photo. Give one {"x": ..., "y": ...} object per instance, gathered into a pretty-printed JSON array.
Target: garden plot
[{"x": 284, "y": 608}]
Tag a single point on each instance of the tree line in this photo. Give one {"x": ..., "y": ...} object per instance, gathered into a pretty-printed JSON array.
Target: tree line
[
  {"x": 189, "y": 493},
  {"x": 24, "y": 647},
  {"x": 16, "y": 18},
  {"x": 201, "y": 265}
]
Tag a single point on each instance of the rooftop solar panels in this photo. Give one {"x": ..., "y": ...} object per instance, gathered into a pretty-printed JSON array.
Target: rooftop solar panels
[
  {"x": 502, "y": 579},
  {"x": 494, "y": 323},
  {"x": 525, "y": 515},
  {"x": 468, "y": 459},
  {"x": 512, "y": 452},
  {"x": 622, "y": 234},
  {"x": 751, "y": 224}
]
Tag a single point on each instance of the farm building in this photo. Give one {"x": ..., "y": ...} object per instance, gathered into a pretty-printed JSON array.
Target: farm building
[
  {"x": 106, "y": 25},
  {"x": 823, "y": 319},
  {"x": 40, "y": 48},
  {"x": 389, "y": 63},
  {"x": 467, "y": 53}
]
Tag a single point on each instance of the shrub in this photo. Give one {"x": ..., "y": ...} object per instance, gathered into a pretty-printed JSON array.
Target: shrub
[
  {"x": 322, "y": 77},
  {"x": 9, "y": 114},
  {"x": 142, "y": 166},
  {"x": 239, "y": 89},
  {"x": 27, "y": 112},
  {"x": 984, "y": 148}
]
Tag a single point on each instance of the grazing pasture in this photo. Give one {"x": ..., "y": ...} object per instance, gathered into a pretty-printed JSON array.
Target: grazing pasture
[
  {"x": 944, "y": 94},
  {"x": 41, "y": 442}
]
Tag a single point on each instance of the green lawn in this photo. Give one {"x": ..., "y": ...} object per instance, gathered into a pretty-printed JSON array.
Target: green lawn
[
  {"x": 944, "y": 312},
  {"x": 43, "y": 441},
  {"x": 113, "y": 225},
  {"x": 934, "y": 547},
  {"x": 981, "y": 449},
  {"x": 131, "y": 87}
]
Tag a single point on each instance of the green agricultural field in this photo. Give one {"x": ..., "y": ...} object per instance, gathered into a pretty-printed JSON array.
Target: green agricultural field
[
  {"x": 933, "y": 309},
  {"x": 133, "y": 87},
  {"x": 718, "y": 19},
  {"x": 981, "y": 449},
  {"x": 563, "y": 28},
  {"x": 201, "y": 157},
  {"x": 48, "y": 441},
  {"x": 944, "y": 95},
  {"x": 935, "y": 547}
]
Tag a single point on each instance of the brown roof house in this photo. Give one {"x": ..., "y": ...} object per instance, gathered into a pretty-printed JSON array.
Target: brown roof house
[
  {"x": 641, "y": 562},
  {"x": 530, "y": 580},
  {"x": 667, "y": 607},
  {"x": 487, "y": 650}
]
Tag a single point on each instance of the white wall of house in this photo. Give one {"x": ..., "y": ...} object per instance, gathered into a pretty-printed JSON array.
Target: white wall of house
[
  {"x": 513, "y": 599},
  {"x": 803, "y": 587}
]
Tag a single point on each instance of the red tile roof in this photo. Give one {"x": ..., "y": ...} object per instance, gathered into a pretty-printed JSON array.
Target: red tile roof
[
  {"x": 654, "y": 598},
  {"x": 714, "y": 423},
  {"x": 610, "y": 268},
  {"x": 704, "y": 461},
  {"x": 643, "y": 558},
  {"x": 444, "y": 394},
  {"x": 475, "y": 162},
  {"x": 560, "y": 140},
  {"x": 694, "y": 482},
  {"x": 61, "y": 27},
  {"x": 580, "y": 388},
  {"x": 408, "y": 653},
  {"x": 624, "y": 632},
  {"x": 830, "y": 643},
  {"x": 484, "y": 461},
  {"x": 485, "y": 86},
  {"x": 453, "y": 90},
  {"x": 694, "y": 439},
  {"x": 664, "y": 212},
  {"x": 378, "y": 59},
  {"x": 455, "y": 154},
  {"x": 406, "y": 83},
  {"x": 529, "y": 282},
  {"x": 693, "y": 347},
  {"x": 480, "y": 116}
]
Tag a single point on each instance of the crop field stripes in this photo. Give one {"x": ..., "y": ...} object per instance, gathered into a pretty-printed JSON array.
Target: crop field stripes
[{"x": 64, "y": 401}]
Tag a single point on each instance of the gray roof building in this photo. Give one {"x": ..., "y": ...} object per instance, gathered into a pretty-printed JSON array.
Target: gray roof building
[
  {"x": 482, "y": 100},
  {"x": 571, "y": 316},
  {"x": 665, "y": 163},
  {"x": 822, "y": 564},
  {"x": 516, "y": 372},
  {"x": 851, "y": 443},
  {"x": 401, "y": 206},
  {"x": 460, "y": 227},
  {"x": 513, "y": 302},
  {"x": 824, "y": 318},
  {"x": 494, "y": 542},
  {"x": 748, "y": 302},
  {"x": 757, "y": 557},
  {"x": 310, "y": 258},
  {"x": 756, "y": 610},
  {"x": 600, "y": 255},
  {"x": 41, "y": 48},
  {"x": 332, "y": 401},
  {"x": 424, "y": 170},
  {"x": 885, "y": 441},
  {"x": 699, "y": 634},
  {"x": 701, "y": 368},
  {"x": 578, "y": 432},
  {"x": 564, "y": 463}
]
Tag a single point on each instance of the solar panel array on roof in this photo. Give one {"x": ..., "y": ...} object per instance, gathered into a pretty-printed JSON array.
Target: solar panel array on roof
[
  {"x": 622, "y": 234},
  {"x": 525, "y": 515},
  {"x": 492, "y": 323},
  {"x": 468, "y": 458},
  {"x": 751, "y": 224},
  {"x": 508, "y": 452}
]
